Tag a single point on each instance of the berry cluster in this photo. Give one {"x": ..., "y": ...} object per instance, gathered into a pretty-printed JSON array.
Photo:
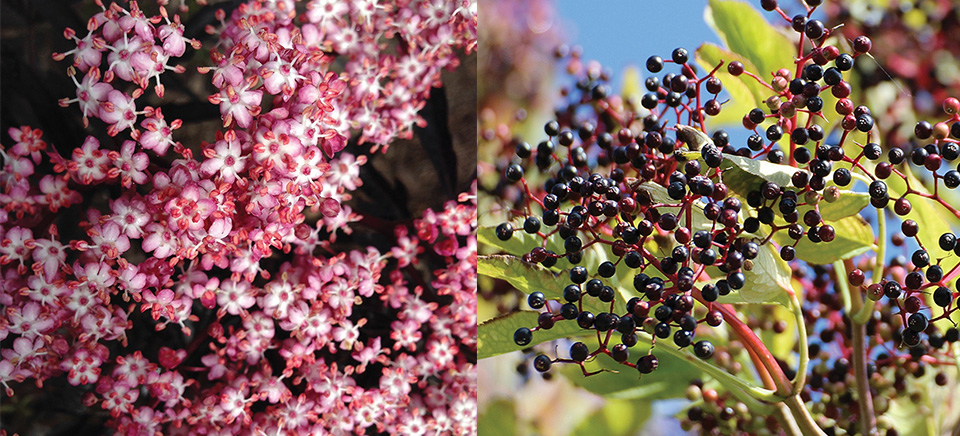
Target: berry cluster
[{"x": 659, "y": 223}]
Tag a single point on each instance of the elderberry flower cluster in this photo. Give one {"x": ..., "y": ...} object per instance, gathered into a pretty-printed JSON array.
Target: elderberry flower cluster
[{"x": 217, "y": 287}]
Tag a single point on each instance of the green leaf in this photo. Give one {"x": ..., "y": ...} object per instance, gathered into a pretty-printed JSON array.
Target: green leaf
[
  {"x": 523, "y": 276},
  {"x": 670, "y": 380},
  {"x": 519, "y": 244},
  {"x": 616, "y": 418},
  {"x": 854, "y": 237},
  {"x": 495, "y": 337},
  {"x": 742, "y": 174},
  {"x": 745, "y": 92},
  {"x": 769, "y": 280},
  {"x": 850, "y": 203},
  {"x": 499, "y": 419},
  {"x": 744, "y": 30}
]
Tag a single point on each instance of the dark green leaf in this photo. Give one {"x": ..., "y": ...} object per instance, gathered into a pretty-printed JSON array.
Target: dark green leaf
[
  {"x": 523, "y": 276},
  {"x": 495, "y": 337}
]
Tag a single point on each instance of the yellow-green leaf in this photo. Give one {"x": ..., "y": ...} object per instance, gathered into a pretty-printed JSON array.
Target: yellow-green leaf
[
  {"x": 854, "y": 236},
  {"x": 495, "y": 337},
  {"x": 746, "y": 31},
  {"x": 523, "y": 276}
]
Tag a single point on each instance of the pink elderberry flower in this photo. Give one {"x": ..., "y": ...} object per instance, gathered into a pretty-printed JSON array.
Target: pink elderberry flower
[
  {"x": 9, "y": 373},
  {"x": 89, "y": 162},
  {"x": 345, "y": 172},
  {"x": 28, "y": 142},
  {"x": 118, "y": 398},
  {"x": 24, "y": 350},
  {"x": 395, "y": 383},
  {"x": 90, "y": 93},
  {"x": 347, "y": 333},
  {"x": 234, "y": 403},
  {"x": 279, "y": 78},
  {"x": 367, "y": 353},
  {"x": 131, "y": 280},
  {"x": 108, "y": 239},
  {"x": 417, "y": 309},
  {"x": 279, "y": 296},
  {"x": 405, "y": 334},
  {"x": 18, "y": 167},
  {"x": 119, "y": 111},
  {"x": 408, "y": 248},
  {"x": 130, "y": 213},
  {"x": 158, "y": 135},
  {"x": 56, "y": 194},
  {"x": 88, "y": 53},
  {"x": 170, "y": 358},
  {"x": 15, "y": 246},
  {"x": 321, "y": 12},
  {"x": 235, "y": 297},
  {"x": 45, "y": 291},
  {"x": 29, "y": 321},
  {"x": 446, "y": 247},
  {"x": 188, "y": 210},
  {"x": 224, "y": 158},
  {"x": 131, "y": 165},
  {"x": 216, "y": 364},
  {"x": 174, "y": 44},
  {"x": 83, "y": 367},
  {"x": 238, "y": 103}
]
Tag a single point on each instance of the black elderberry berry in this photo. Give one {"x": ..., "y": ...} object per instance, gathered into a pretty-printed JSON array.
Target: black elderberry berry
[
  {"x": 545, "y": 320},
  {"x": 682, "y": 338},
  {"x": 774, "y": 132},
  {"x": 813, "y": 72},
  {"x": 522, "y": 336},
  {"x": 654, "y": 64},
  {"x": 815, "y": 104},
  {"x": 620, "y": 353},
  {"x": 844, "y": 62},
  {"x": 607, "y": 269},
  {"x": 569, "y": 311},
  {"x": 703, "y": 349},
  {"x": 504, "y": 231},
  {"x": 579, "y": 351},
  {"x": 920, "y": 258},
  {"x": 680, "y": 55},
  {"x": 917, "y": 322},
  {"x": 951, "y": 179},
  {"x": 536, "y": 300},
  {"x": 647, "y": 364},
  {"x": 542, "y": 363},
  {"x": 942, "y": 296},
  {"x": 662, "y": 330},
  {"x": 814, "y": 29},
  {"x": 607, "y": 294},
  {"x": 585, "y": 319}
]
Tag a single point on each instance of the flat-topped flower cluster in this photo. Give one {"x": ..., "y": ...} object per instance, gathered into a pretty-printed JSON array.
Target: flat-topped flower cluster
[{"x": 201, "y": 287}]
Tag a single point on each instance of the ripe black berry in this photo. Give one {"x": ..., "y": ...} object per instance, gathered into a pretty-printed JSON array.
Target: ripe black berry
[
  {"x": 703, "y": 349},
  {"x": 542, "y": 363},
  {"x": 504, "y": 231},
  {"x": 536, "y": 300},
  {"x": 569, "y": 311},
  {"x": 647, "y": 364},
  {"x": 522, "y": 336},
  {"x": 579, "y": 351},
  {"x": 680, "y": 55},
  {"x": 844, "y": 62},
  {"x": 552, "y": 128},
  {"x": 814, "y": 29},
  {"x": 654, "y": 64}
]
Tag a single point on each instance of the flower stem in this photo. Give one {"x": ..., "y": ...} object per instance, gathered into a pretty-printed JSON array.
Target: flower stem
[
  {"x": 804, "y": 351},
  {"x": 799, "y": 412}
]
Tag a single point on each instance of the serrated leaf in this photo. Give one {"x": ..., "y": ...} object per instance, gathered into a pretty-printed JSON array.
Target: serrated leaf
[
  {"x": 523, "y": 276},
  {"x": 744, "y": 30},
  {"x": 495, "y": 337},
  {"x": 745, "y": 92},
  {"x": 519, "y": 244},
  {"x": 854, "y": 236}
]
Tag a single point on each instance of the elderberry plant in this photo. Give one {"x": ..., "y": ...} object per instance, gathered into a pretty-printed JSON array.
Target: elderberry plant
[{"x": 765, "y": 281}]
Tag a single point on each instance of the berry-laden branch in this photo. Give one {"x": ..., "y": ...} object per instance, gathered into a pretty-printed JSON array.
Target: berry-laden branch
[{"x": 682, "y": 226}]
